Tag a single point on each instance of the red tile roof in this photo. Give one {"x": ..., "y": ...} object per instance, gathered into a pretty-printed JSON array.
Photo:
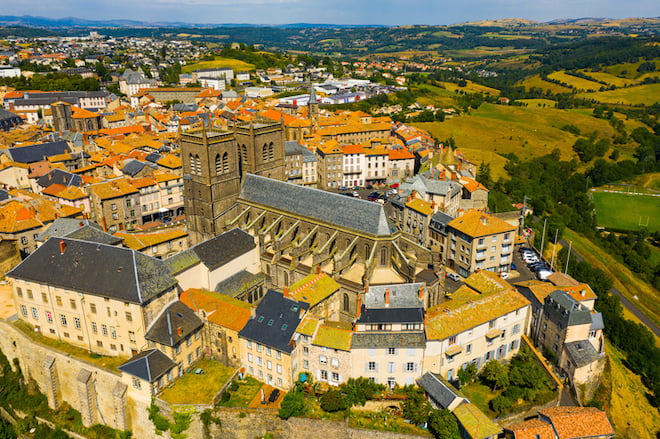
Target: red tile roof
[{"x": 578, "y": 422}]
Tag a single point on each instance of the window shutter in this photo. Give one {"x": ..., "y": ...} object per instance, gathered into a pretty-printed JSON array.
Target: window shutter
[
  {"x": 376, "y": 367},
  {"x": 366, "y": 366}
]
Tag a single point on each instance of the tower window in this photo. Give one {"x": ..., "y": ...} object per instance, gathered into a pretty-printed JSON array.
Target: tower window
[
  {"x": 264, "y": 153},
  {"x": 218, "y": 164},
  {"x": 225, "y": 162},
  {"x": 271, "y": 151}
]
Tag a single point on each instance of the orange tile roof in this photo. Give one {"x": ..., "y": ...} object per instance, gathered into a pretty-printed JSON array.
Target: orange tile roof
[
  {"x": 72, "y": 193},
  {"x": 35, "y": 211},
  {"x": 143, "y": 182},
  {"x": 209, "y": 93},
  {"x": 170, "y": 161},
  {"x": 472, "y": 185},
  {"x": 352, "y": 149},
  {"x": 421, "y": 206},
  {"x": 141, "y": 241},
  {"x": 53, "y": 189},
  {"x": 532, "y": 429},
  {"x": 81, "y": 113},
  {"x": 113, "y": 189},
  {"x": 474, "y": 223},
  {"x": 122, "y": 130},
  {"x": 400, "y": 154},
  {"x": 578, "y": 422},
  {"x": 219, "y": 309}
]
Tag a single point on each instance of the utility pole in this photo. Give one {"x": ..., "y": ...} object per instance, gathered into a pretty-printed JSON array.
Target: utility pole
[
  {"x": 543, "y": 236},
  {"x": 554, "y": 249},
  {"x": 568, "y": 257}
]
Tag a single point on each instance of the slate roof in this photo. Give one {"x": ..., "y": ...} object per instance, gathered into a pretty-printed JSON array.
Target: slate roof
[
  {"x": 597, "y": 321},
  {"x": 154, "y": 156},
  {"x": 326, "y": 207},
  {"x": 132, "y": 167},
  {"x": 401, "y": 296},
  {"x": 582, "y": 352},
  {"x": 561, "y": 307},
  {"x": 58, "y": 176},
  {"x": 275, "y": 320},
  {"x": 237, "y": 283},
  {"x": 425, "y": 185},
  {"x": 174, "y": 324},
  {"x": 36, "y": 153},
  {"x": 224, "y": 248},
  {"x": 391, "y": 315},
  {"x": 363, "y": 340},
  {"x": 98, "y": 269},
  {"x": 443, "y": 393},
  {"x": 81, "y": 229},
  {"x": 148, "y": 365}
]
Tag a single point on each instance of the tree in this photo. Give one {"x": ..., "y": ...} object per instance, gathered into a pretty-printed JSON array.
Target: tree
[
  {"x": 442, "y": 424},
  {"x": 333, "y": 401},
  {"x": 416, "y": 408},
  {"x": 496, "y": 374},
  {"x": 483, "y": 174},
  {"x": 293, "y": 404},
  {"x": 466, "y": 374}
]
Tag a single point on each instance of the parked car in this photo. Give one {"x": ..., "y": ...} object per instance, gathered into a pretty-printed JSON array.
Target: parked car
[
  {"x": 343, "y": 188},
  {"x": 348, "y": 194},
  {"x": 538, "y": 266},
  {"x": 373, "y": 196},
  {"x": 504, "y": 275},
  {"x": 513, "y": 266},
  {"x": 543, "y": 274},
  {"x": 453, "y": 276},
  {"x": 369, "y": 186},
  {"x": 355, "y": 194}
]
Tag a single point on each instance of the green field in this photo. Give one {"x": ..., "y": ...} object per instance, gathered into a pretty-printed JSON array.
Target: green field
[
  {"x": 627, "y": 212},
  {"x": 574, "y": 81},
  {"x": 609, "y": 78},
  {"x": 235, "y": 64},
  {"x": 536, "y": 82},
  {"x": 539, "y": 103},
  {"x": 647, "y": 94}
]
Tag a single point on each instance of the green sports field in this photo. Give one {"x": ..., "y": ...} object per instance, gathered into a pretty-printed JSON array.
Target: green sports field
[{"x": 627, "y": 212}]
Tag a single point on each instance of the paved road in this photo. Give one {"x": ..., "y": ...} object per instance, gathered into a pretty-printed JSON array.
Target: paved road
[{"x": 624, "y": 301}]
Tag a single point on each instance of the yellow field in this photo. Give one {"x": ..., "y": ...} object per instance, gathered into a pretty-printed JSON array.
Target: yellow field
[
  {"x": 496, "y": 161},
  {"x": 507, "y": 36},
  {"x": 575, "y": 82},
  {"x": 610, "y": 79},
  {"x": 471, "y": 87},
  {"x": 527, "y": 132},
  {"x": 536, "y": 82},
  {"x": 648, "y": 94},
  {"x": 446, "y": 34},
  {"x": 235, "y": 64},
  {"x": 538, "y": 103},
  {"x": 629, "y": 411}
]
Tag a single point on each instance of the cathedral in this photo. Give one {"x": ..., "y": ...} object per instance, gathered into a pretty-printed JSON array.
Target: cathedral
[{"x": 215, "y": 162}]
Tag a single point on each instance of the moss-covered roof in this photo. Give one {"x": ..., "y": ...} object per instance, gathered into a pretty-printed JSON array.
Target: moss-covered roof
[
  {"x": 334, "y": 338},
  {"x": 475, "y": 422},
  {"x": 314, "y": 288}
]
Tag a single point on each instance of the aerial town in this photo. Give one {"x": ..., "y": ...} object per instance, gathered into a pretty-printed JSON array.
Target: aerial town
[{"x": 216, "y": 247}]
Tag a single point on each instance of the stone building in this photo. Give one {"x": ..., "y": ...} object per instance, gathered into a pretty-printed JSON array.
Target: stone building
[
  {"x": 214, "y": 165},
  {"x": 300, "y": 228},
  {"x": 115, "y": 204}
]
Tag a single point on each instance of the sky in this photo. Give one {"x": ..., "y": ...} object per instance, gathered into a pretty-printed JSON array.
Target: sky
[{"x": 384, "y": 12}]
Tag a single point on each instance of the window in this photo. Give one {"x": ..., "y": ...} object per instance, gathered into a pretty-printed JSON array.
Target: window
[
  {"x": 49, "y": 317},
  {"x": 113, "y": 332},
  {"x": 104, "y": 330},
  {"x": 250, "y": 357},
  {"x": 24, "y": 240},
  {"x": 390, "y": 367},
  {"x": 190, "y": 358},
  {"x": 258, "y": 347},
  {"x": 334, "y": 362},
  {"x": 324, "y": 375},
  {"x": 24, "y": 310},
  {"x": 323, "y": 359},
  {"x": 411, "y": 367},
  {"x": 63, "y": 319},
  {"x": 131, "y": 336},
  {"x": 249, "y": 344},
  {"x": 278, "y": 355},
  {"x": 260, "y": 362},
  {"x": 129, "y": 317},
  {"x": 305, "y": 364},
  {"x": 305, "y": 350},
  {"x": 19, "y": 292},
  {"x": 76, "y": 322},
  {"x": 95, "y": 329},
  {"x": 35, "y": 315},
  {"x": 269, "y": 365},
  {"x": 136, "y": 383},
  {"x": 335, "y": 377},
  {"x": 391, "y": 351},
  {"x": 73, "y": 303},
  {"x": 452, "y": 340},
  {"x": 371, "y": 366},
  {"x": 268, "y": 351},
  {"x": 468, "y": 349},
  {"x": 30, "y": 295},
  {"x": 44, "y": 298},
  {"x": 92, "y": 308},
  {"x": 279, "y": 369},
  {"x": 516, "y": 328},
  {"x": 99, "y": 343}
]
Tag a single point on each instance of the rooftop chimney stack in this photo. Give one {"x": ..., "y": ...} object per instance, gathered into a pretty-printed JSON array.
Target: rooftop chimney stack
[
  {"x": 286, "y": 292},
  {"x": 358, "y": 311},
  {"x": 62, "y": 246},
  {"x": 387, "y": 298}
]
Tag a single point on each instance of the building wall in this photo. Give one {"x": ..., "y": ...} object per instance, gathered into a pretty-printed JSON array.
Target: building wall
[
  {"x": 332, "y": 366},
  {"x": 279, "y": 374},
  {"x": 404, "y": 366},
  {"x": 491, "y": 252}
]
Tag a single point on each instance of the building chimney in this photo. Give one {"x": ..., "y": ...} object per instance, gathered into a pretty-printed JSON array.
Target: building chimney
[
  {"x": 358, "y": 310},
  {"x": 286, "y": 292},
  {"x": 366, "y": 287},
  {"x": 583, "y": 293},
  {"x": 484, "y": 220},
  {"x": 62, "y": 246},
  {"x": 387, "y": 298},
  {"x": 179, "y": 331},
  {"x": 318, "y": 269},
  {"x": 420, "y": 292}
]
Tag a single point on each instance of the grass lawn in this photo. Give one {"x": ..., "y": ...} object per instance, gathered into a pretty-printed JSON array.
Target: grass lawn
[
  {"x": 638, "y": 95},
  {"x": 609, "y": 78},
  {"x": 480, "y": 395},
  {"x": 629, "y": 411},
  {"x": 471, "y": 87},
  {"x": 235, "y": 64},
  {"x": 384, "y": 422},
  {"x": 536, "y": 82},
  {"x": 247, "y": 390},
  {"x": 198, "y": 389},
  {"x": 627, "y": 282},
  {"x": 83, "y": 354},
  {"x": 538, "y": 103},
  {"x": 626, "y": 212}
]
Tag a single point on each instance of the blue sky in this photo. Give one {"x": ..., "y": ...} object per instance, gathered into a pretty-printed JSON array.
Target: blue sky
[{"x": 388, "y": 12}]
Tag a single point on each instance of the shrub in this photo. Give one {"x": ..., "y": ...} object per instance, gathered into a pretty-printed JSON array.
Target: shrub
[
  {"x": 293, "y": 404},
  {"x": 225, "y": 396},
  {"x": 500, "y": 404},
  {"x": 333, "y": 401},
  {"x": 160, "y": 422},
  {"x": 233, "y": 386},
  {"x": 416, "y": 408},
  {"x": 442, "y": 424}
]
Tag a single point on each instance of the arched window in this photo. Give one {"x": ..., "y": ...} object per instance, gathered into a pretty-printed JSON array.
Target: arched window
[
  {"x": 225, "y": 162},
  {"x": 366, "y": 252},
  {"x": 271, "y": 151},
  {"x": 264, "y": 153},
  {"x": 347, "y": 303},
  {"x": 192, "y": 164},
  {"x": 383, "y": 256},
  {"x": 218, "y": 164},
  {"x": 286, "y": 279},
  {"x": 198, "y": 165}
]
